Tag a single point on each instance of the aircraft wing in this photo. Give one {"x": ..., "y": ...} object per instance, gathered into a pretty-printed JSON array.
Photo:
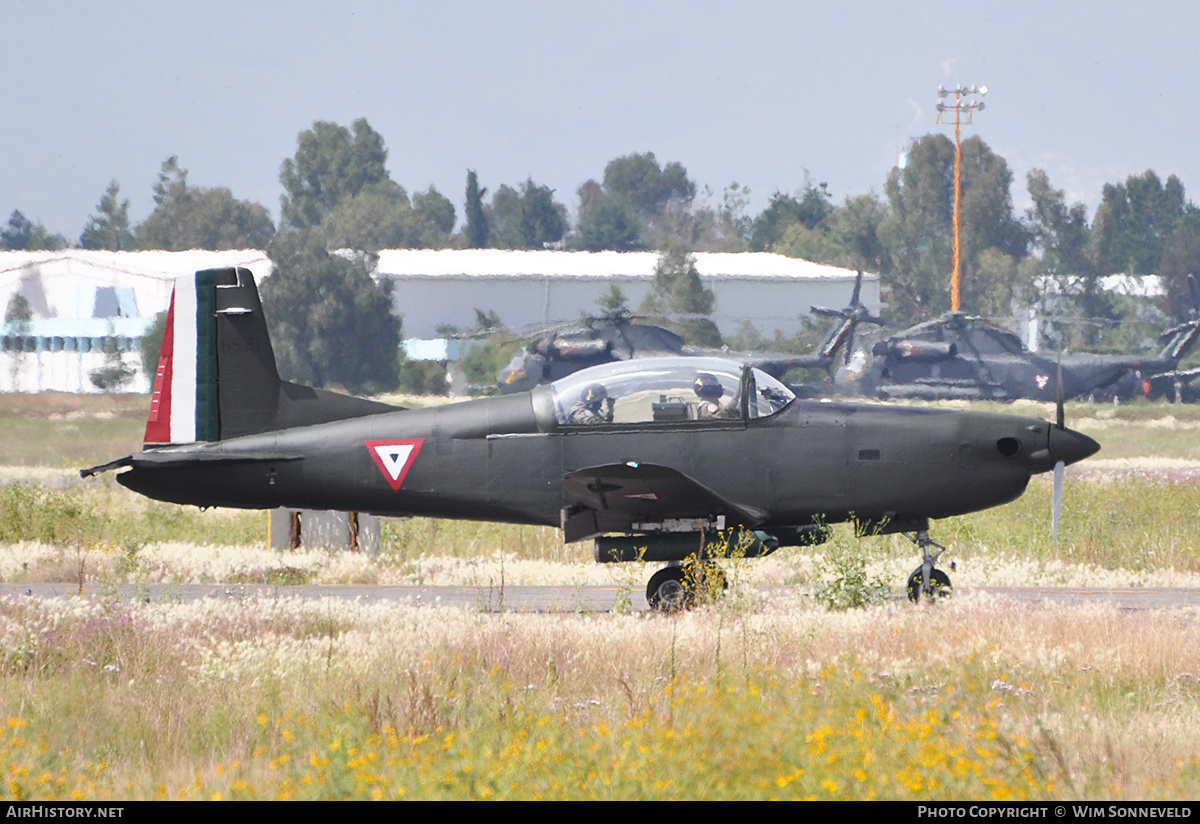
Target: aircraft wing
[{"x": 615, "y": 497}]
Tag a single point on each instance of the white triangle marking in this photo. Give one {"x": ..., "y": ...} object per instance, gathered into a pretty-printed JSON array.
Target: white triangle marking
[{"x": 394, "y": 457}]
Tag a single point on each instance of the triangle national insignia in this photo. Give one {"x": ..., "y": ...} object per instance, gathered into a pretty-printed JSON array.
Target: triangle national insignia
[{"x": 394, "y": 458}]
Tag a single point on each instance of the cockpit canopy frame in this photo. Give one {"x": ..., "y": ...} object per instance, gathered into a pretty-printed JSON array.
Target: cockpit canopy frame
[{"x": 665, "y": 391}]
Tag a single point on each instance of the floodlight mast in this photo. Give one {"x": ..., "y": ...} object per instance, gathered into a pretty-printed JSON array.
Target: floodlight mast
[{"x": 964, "y": 111}]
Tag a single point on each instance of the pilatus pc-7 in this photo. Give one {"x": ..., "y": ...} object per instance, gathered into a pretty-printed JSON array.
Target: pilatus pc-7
[{"x": 668, "y": 460}]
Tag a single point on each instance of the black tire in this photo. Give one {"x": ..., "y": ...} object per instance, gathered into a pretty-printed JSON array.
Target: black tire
[
  {"x": 668, "y": 591},
  {"x": 939, "y": 582}
]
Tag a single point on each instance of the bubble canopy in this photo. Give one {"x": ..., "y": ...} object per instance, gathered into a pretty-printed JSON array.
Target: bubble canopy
[{"x": 667, "y": 390}]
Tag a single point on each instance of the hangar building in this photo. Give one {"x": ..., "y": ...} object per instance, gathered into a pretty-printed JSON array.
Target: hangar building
[{"x": 86, "y": 304}]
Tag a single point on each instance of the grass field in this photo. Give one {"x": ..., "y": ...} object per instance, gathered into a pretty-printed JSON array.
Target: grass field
[{"x": 751, "y": 697}]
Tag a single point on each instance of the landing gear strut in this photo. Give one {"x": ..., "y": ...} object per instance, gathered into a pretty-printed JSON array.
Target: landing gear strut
[
  {"x": 925, "y": 580},
  {"x": 676, "y": 588}
]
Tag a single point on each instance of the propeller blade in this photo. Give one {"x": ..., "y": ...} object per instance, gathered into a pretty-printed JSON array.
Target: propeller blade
[
  {"x": 857, "y": 289},
  {"x": 1059, "y": 412},
  {"x": 1056, "y": 506}
]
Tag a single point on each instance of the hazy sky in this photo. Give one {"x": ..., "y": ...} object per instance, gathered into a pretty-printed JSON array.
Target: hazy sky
[{"x": 760, "y": 93}]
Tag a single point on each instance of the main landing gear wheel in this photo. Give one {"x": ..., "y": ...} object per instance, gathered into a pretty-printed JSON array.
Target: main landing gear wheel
[
  {"x": 668, "y": 591},
  {"x": 939, "y": 585},
  {"x": 680, "y": 587}
]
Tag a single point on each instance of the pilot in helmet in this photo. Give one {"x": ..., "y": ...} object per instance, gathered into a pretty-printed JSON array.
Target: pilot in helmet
[
  {"x": 710, "y": 391},
  {"x": 594, "y": 406}
]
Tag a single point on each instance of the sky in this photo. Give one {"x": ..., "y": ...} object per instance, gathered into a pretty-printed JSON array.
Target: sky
[{"x": 771, "y": 95}]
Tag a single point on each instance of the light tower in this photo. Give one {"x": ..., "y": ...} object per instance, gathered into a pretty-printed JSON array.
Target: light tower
[{"x": 964, "y": 108}]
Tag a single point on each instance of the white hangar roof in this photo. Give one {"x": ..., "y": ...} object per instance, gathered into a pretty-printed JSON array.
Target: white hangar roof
[
  {"x": 62, "y": 283},
  {"x": 511, "y": 263}
]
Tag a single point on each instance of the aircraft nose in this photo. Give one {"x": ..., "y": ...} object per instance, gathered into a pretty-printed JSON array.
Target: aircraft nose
[
  {"x": 1069, "y": 446},
  {"x": 1064, "y": 445}
]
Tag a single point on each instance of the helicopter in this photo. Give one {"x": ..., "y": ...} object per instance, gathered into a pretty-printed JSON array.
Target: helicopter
[
  {"x": 620, "y": 336},
  {"x": 962, "y": 357}
]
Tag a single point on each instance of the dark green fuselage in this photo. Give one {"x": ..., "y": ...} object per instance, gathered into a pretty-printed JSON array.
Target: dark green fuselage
[{"x": 505, "y": 458}]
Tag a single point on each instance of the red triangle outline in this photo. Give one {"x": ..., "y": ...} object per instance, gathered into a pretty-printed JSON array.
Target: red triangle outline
[{"x": 415, "y": 443}]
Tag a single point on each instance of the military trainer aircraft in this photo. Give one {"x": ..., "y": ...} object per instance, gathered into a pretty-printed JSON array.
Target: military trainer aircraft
[{"x": 673, "y": 460}]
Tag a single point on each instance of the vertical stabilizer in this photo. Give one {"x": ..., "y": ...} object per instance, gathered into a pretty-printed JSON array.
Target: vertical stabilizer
[{"x": 216, "y": 376}]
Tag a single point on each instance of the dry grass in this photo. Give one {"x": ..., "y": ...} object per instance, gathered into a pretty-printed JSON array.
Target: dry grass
[
  {"x": 756, "y": 697},
  {"x": 281, "y": 698}
]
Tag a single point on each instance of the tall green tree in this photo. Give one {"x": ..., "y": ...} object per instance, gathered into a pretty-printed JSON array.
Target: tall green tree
[
  {"x": 918, "y": 229},
  {"x": 854, "y": 227},
  {"x": 640, "y": 181},
  {"x": 435, "y": 218},
  {"x": 477, "y": 223},
  {"x": 677, "y": 294},
  {"x": 1058, "y": 233},
  {"x": 193, "y": 217},
  {"x": 1180, "y": 271},
  {"x": 1064, "y": 246},
  {"x": 109, "y": 227},
  {"x": 370, "y": 221},
  {"x": 636, "y": 193},
  {"x": 22, "y": 234},
  {"x": 526, "y": 219},
  {"x": 331, "y": 323},
  {"x": 332, "y": 163},
  {"x": 607, "y": 223},
  {"x": 1141, "y": 214}
]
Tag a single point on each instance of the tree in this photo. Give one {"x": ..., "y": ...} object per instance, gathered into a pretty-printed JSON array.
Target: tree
[
  {"x": 115, "y": 373},
  {"x": 528, "y": 219},
  {"x": 638, "y": 180},
  {"x": 613, "y": 301},
  {"x": 1180, "y": 271},
  {"x": 608, "y": 223},
  {"x": 639, "y": 202},
  {"x": 331, "y": 164},
  {"x": 677, "y": 294},
  {"x": 331, "y": 323},
  {"x": 370, "y": 221},
  {"x": 1141, "y": 214},
  {"x": 918, "y": 230},
  {"x": 109, "y": 227},
  {"x": 809, "y": 210},
  {"x": 477, "y": 223},
  {"x": 1067, "y": 248},
  {"x": 18, "y": 323},
  {"x": 435, "y": 218},
  {"x": 192, "y": 217},
  {"x": 22, "y": 234},
  {"x": 854, "y": 227},
  {"x": 1057, "y": 232}
]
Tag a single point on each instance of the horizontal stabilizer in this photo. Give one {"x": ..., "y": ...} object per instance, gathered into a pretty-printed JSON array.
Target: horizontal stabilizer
[{"x": 164, "y": 459}]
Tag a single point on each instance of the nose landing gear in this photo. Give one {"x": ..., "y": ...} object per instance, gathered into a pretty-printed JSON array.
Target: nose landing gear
[{"x": 927, "y": 581}]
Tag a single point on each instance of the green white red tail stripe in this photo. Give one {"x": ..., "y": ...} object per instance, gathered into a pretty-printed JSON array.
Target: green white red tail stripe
[{"x": 185, "y": 404}]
